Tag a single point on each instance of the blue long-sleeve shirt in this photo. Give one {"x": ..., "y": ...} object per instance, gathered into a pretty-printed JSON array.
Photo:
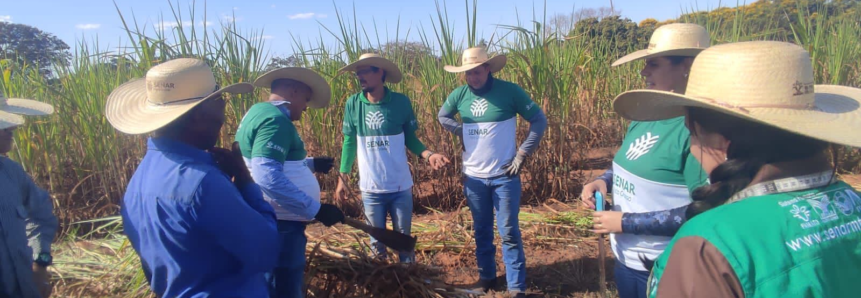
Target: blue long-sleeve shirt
[{"x": 196, "y": 234}]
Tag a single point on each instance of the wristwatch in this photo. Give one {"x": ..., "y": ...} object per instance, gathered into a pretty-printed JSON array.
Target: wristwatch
[
  {"x": 44, "y": 259},
  {"x": 430, "y": 153}
]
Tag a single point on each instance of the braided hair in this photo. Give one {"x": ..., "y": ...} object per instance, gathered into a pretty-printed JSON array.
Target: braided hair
[{"x": 752, "y": 145}]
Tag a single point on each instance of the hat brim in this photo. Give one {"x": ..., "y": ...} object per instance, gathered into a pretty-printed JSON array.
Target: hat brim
[
  {"x": 27, "y": 107},
  {"x": 128, "y": 110},
  {"x": 8, "y": 120},
  {"x": 646, "y": 54},
  {"x": 496, "y": 64},
  {"x": 837, "y": 108},
  {"x": 321, "y": 93},
  {"x": 393, "y": 73}
]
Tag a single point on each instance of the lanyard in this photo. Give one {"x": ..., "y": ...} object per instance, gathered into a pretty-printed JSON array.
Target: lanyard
[{"x": 784, "y": 185}]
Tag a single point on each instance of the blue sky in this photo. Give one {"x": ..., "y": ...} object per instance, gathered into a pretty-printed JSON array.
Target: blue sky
[{"x": 72, "y": 20}]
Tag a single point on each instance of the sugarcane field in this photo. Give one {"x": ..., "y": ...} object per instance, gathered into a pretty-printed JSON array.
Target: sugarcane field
[{"x": 430, "y": 148}]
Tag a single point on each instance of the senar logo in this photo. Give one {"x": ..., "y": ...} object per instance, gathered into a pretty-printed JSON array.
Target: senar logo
[
  {"x": 478, "y": 107},
  {"x": 641, "y": 146},
  {"x": 374, "y": 119}
]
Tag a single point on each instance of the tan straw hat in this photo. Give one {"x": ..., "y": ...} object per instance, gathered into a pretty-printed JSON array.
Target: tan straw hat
[
  {"x": 11, "y": 108},
  {"x": 393, "y": 73},
  {"x": 168, "y": 91},
  {"x": 764, "y": 81},
  {"x": 672, "y": 40},
  {"x": 321, "y": 93},
  {"x": 475, "y": 57}
]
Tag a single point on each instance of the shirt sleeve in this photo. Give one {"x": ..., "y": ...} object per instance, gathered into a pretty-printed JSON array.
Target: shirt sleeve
[
  {"x": 228, "y": 216},
  {"x": 410, "y": 126},
  {"x": 537, "y": 126},
  {"x": 349, "y": 148},
  {"x": 446, "y": 119},
  {"x": 658, "y": 223},
  {"x": 523, "y": 104},
  {"x": 695, "y": 267},
  {"x": 41, "y": 224},
  {"x": 269, "y": 174}
]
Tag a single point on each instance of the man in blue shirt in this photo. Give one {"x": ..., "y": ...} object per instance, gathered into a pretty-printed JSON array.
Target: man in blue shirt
[{"x": 191, "y": 211}]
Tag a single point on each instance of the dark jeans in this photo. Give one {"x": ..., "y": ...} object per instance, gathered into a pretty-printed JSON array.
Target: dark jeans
[
  {"x": 287, "y": 280},
  {"x": 630, "y": 283}
]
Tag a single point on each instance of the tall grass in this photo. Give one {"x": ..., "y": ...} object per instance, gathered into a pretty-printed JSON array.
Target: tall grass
[{"x": 86, "y": 164}]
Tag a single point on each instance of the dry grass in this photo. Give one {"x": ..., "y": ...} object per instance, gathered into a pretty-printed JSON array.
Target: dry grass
[{"x": 339, "y": 260}]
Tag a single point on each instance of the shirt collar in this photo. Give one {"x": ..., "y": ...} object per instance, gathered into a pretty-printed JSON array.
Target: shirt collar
[
  {"x": 176, "y": 147},
  {"x": 386, "y": 98},
  {"x": 281, "y": 105}
]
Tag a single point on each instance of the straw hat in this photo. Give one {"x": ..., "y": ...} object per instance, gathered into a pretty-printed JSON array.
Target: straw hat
[
  {"x": 321, "y": 93},
  {"x": 393, "y": 73},
  {"x": 764, "y": 81},
  {"x": 168, "y": 91},
  {"x": 474, "y": 57},
  {"x": 672, "y": 40},
  {"x": 11, "y": 108}
]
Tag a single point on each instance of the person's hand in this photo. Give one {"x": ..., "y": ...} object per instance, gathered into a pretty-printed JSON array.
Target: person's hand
[
  {"x": 42, "y": 280},
  {"x": 436, "y": 160},
  {"x": 321, "y": 164},
  {"x": 605, "y": 222},
  {"x": 588, "y": 194},
  {"x": 516, "y": 165},
  {"x": 341, "y": 189},
  {"x": 329, "y": 215},
  {"x": 231, "y": 163}
]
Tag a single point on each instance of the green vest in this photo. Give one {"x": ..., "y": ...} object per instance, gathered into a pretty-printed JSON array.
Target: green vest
[{"x": 796, "y": 244}]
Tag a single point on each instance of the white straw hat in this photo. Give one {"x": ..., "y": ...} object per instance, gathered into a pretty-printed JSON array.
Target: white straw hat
[
  {"x": 393, "y": 73},
  {"x": 11, "y": 108},
  {"x": 321, "y": 93},
  {"x": 672, "y": 40},
  {"x": 475, "y": 57},
  {"x": 764, "y": 81},
  {"x": 168, "y": 91}
]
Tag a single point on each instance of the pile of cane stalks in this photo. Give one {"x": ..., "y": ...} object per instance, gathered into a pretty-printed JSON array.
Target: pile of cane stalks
[{"x": 340, "y": 262}]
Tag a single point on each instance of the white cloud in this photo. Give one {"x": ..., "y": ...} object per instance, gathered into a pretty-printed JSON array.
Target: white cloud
[
  {"x": 235, "y": 8},
  {"x": 207, "y": 23},
  {"x": 7, "y": 19},
  {"x": 88, "y": 26},
  {"x": 230, "y": 18},
  {"x": 306, "y": 15},
  {"x": 273, "y": 5}
]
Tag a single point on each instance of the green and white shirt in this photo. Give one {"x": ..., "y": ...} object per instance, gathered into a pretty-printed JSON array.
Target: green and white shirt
[
  {"x": 490, "y": 125},
  {"x": 652, "y": 171},
  {"x": 383, "y": 130}
]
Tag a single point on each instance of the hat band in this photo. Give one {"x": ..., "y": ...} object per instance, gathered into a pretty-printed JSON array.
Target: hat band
[
  {"x": 181, "y": 100},
  {"x": 744, "y": 108}
]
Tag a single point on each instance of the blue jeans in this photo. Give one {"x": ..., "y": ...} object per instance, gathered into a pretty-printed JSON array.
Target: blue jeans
[
  {"x": 629, "y": 282},
  {"x": 397, "y": 204},
  {"x": 502, "y": 194},
  {"x": 288, "y": 277}
]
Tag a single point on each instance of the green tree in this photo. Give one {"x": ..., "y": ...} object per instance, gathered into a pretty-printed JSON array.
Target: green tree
[{"x": 31, "y": 46}]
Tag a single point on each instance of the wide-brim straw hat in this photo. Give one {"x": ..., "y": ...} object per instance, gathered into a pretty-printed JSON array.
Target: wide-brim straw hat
[
  {"x": 393, "y": 73},
  {"x": 168, "y": 91},
  {"x": 321, "y": 92},
  {"x": 475, "y": 57},
  {"x": 12, "y": 108},
  {"x": 763, "y": 81},
  {"x": 679, "y": 39}
]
